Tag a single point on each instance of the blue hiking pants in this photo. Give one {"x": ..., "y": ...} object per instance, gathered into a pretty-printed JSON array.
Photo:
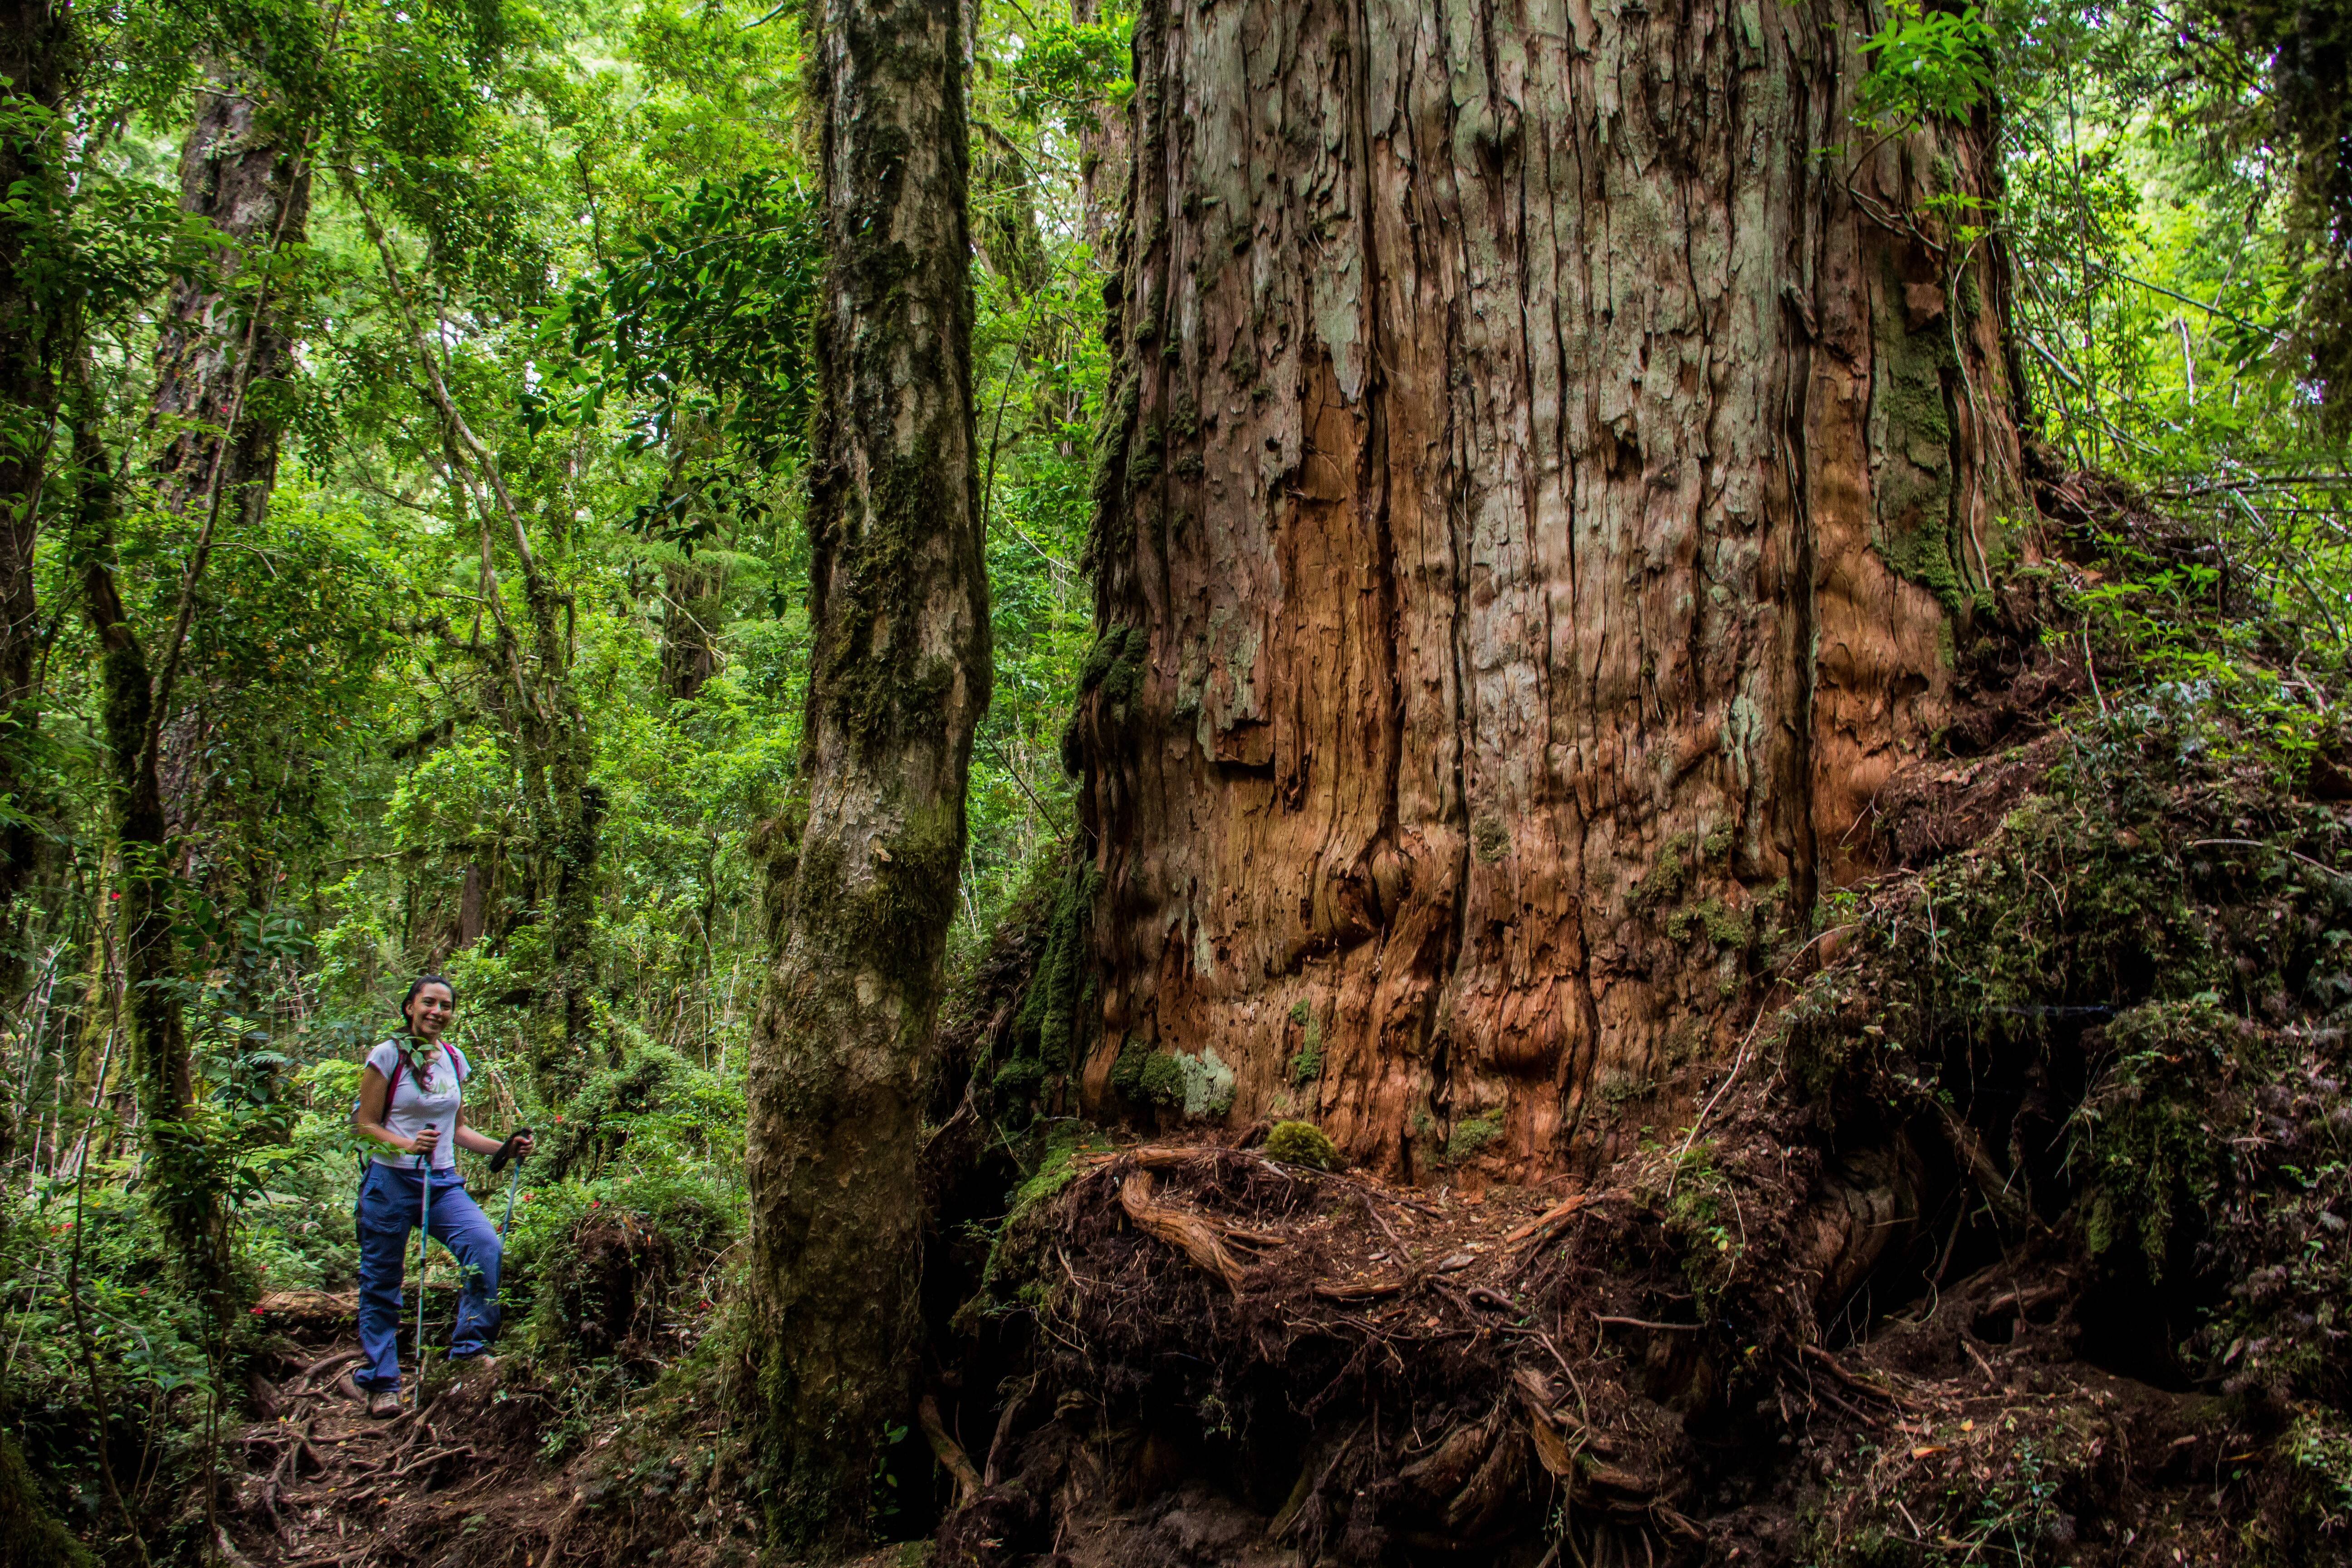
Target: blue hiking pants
[{"x": 389, "y": 1200}]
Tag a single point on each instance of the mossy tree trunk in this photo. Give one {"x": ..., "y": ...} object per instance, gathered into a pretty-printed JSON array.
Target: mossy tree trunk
[
  {"x": 181, "y": 1181},
  {"x": 865, "y": 886},
  {"x": 693, "y": 592},
  {"x": 1545, "y": 481},
  {"x": 1104, "y": 148},
  {"x": 222, "y": 348},
  {"x": 224, "y": 351},
  {"x": 223, "y": 358},
  {"x": 35, "y": 61}
]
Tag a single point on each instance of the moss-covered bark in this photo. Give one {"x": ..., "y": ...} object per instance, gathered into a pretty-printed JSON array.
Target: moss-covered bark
[
  {"x": 222, "y": 356},
  {"x": 214, "y": 397},
  {"x": 36, "y": 40},
  {"x": 181, "y": 1181},
  {"x": 863, "y": 883}
]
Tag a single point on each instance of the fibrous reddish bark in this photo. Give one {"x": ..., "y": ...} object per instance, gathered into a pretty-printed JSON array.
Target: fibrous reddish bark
[
  {"x": 898, "y": 678},
  {"x": 1544, "y": 484}
]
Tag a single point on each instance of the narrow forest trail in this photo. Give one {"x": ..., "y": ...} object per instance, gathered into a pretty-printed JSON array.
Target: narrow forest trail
[{"x": 457, "y": 1469}]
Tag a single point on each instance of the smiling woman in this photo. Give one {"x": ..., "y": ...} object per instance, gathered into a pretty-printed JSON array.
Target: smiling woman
[{"x": 412, "y": 1100}]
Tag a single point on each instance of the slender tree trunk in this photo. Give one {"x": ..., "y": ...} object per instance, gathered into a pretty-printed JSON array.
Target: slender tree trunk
[
  {"x": 100, "y": 1021},
  {"x": 471, "y": 895},
  {"x": 899, "y": 677},
  {"x": 692, "y": 592},
  {"x": 35, "y": 43},
  {"x": 181, "y": 1181},
  {"x": 1539, "y": 506}
]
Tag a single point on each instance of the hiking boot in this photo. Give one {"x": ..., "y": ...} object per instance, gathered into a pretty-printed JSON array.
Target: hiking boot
[{"x": 383, "y": 1402}]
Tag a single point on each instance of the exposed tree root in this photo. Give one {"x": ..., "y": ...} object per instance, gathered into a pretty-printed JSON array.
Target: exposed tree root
[{"x": 2022, "y": 1240}]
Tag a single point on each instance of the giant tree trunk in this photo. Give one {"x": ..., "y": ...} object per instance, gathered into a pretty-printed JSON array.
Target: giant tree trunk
[
  {"x": 899, "y": 676},
  {"x": 221, "y": 356},
  {"x": 1538, "y": 504}
]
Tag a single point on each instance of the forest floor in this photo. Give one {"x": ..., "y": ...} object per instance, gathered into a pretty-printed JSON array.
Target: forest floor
[
  {"x": 1450, "y": 1299},
  {"x": 329, "y": 1485},
  {"x": 1538, "y": 1379}
]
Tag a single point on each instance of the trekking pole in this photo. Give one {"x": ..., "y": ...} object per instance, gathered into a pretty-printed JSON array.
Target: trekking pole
[
  {"x": 424, "y": 1256},
  {"x": 506, "y": 1152}
]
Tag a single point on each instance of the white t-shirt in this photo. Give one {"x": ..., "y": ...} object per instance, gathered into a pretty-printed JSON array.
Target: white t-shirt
[{"x": 414, "y": 1106}]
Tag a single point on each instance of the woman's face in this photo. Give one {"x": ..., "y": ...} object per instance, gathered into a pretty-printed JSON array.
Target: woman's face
[{"x": 429, "y": 1010}]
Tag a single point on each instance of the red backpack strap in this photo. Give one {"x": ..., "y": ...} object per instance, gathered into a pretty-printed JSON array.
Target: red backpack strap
[{"x": 392, "y": 1084}]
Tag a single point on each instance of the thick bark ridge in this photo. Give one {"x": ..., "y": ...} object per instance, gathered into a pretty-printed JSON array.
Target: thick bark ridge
[
  {"x": 1537, "y": 506},
  {"x": 899, "y": 677}
]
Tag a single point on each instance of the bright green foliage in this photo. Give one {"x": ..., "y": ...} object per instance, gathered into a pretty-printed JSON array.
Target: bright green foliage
[
  {"x": 703, "y": 329},
  {"x": 1073, "y": 71},
  {"x": 1926, "y": 63}
]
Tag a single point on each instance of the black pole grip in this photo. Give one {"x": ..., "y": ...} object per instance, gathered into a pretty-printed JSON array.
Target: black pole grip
[{"x": 506, "y": 1150}]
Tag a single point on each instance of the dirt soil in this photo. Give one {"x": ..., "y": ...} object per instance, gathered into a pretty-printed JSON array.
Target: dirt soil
[{"x": 490, "y": 1468}]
